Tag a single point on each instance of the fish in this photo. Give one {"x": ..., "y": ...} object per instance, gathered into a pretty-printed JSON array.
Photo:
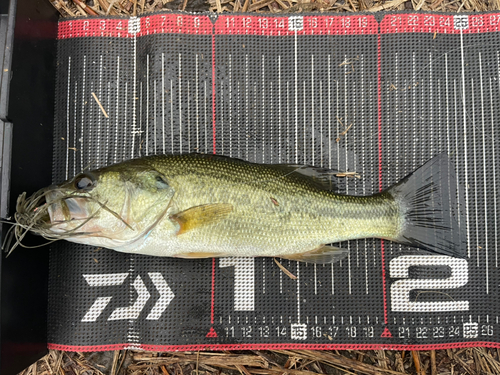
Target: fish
[{"x": 204, "y": 206}]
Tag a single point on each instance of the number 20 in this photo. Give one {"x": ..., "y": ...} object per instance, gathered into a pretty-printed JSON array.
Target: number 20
[{"x": 400, "y": 290}]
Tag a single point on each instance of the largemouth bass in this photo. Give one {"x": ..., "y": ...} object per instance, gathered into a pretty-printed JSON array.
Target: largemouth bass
[{"x": 197, "y": 206}]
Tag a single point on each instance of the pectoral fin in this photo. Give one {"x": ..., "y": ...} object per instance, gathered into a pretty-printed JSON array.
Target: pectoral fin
[
  {"x": 199, "y": 216},
  {"x": 321, "y": 255}
]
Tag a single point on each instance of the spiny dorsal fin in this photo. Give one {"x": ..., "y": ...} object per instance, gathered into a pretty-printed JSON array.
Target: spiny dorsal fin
[
  {"x": 321, "y": 255},
  {"x": 323, "y": 177},
  {"x": 199, "y": 216}
]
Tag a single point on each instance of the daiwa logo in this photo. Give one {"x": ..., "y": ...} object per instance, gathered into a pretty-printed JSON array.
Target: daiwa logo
[{"x": 134, "y": 310}]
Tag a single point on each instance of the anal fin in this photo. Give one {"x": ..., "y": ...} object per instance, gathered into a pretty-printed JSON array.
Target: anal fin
[{"x": 321, "y": 255}]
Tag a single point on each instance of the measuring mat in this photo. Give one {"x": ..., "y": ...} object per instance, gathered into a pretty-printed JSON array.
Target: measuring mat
[{"x": 376, "y": 96}]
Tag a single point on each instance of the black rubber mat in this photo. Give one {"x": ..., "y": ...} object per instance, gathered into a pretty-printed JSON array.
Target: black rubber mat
[{"x": 377, "y": 97}]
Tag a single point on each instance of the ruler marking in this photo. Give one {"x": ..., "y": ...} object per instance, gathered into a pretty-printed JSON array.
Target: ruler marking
[
  {"x": 125, "y": 118},
  {"x": 205, "y": 99},
  {"x": 296, "y": 104},
  {"x": 465, "y": 144},
  {"x": 321, "y": 160},
  {"x": 312, "y": 110},
  {"x": 298, "y": 292},
  {"x": 486, "y": 270},
  {"x": 155, "y": 101},
  {"x": 279, "y": 109},
  {"x": 475, "y": 166},
  {"x": 67, "y": 117},
  {"x": 304, "y": 149},
  {"x": 230, "y": 106},
  {"x": 180, "y": 103},
  {"x": 247, "y": 134},
  {"x": 98, "y": 137},
  {"x": 147, "y": 104},
  {"x": 172, "y": 114},
  {"x": 329, "y": 115},
  {"x": 134, "y": 105},
  {"x": 494, "y": 172},
  {"x": 75, "y": 126},
  {"x": 163, "y": 98},
  {"x": 197, "y": 107}
]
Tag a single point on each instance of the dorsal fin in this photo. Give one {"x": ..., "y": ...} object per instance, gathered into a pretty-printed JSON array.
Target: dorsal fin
[{"x": 323, "y": 177}]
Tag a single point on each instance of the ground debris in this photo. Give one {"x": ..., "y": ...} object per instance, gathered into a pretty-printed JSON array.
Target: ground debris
[{"x": 477, "y": 360}]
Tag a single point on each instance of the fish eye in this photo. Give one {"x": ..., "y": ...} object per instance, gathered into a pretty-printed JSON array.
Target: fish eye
[
  {"x": 84, "y": 182},
  {"x": 161, "y": 183}
]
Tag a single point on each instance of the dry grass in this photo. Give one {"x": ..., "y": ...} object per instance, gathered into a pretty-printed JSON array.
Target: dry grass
[
  {"x": 136, "y": 7},
  {"x": 473, "y": 361}
]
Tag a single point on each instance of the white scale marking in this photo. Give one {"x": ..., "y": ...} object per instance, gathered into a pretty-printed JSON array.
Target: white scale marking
[
  {"x": 222, "y": 115},
  {"x": 180, "y": 103},
  {"x": 117, "y": 107},
  {"x": 279, "y": 109},
  {"x": 298, "y": 292},
  {"x": 206, "y": 119},
  {"x": 147, "y": 104},
  {"x": 172, "y": 114},
  {"x": 67, "y": 117},
  {"x": 485, "y": 247},
  {"x": 155, "y": 114},
  {"x": 329, "y": 114},
  {"x": 312, "y": 110},
  {"x": 431, "y": 142},
  {"x": 140, "y": 117},
  {"x": 447, "y": 109},
  {"x": 304, "y": 127},
  {"x": 321, "y": 159},
  {"x": 475, "y": 166},
  {"x": 108, "y": 125},
  {"x": 493, "y": 140},
  {"x": 296, "y": 104},
  {"x": 231, "y": 106},
  {"x": 363, "y": 160},
  {"x": 163, "y": 99},
  {"x": 263, "y": 111},
  {"x": 197, "y": 108},
  {"x": 134, "y": 119},
  {"x": 346, "y": 169},
  {"x": 188, "y": 123},
  {"x": 125, "y": 132},
  {"x": 315, "y": 280},
  {"x": 75, "y": 127},
  {"x": 98, "y": 137},
  {"x": 83, "y": 111},
  {"x": 466, "y": 166},
  {"x": 247, "y": 135}
]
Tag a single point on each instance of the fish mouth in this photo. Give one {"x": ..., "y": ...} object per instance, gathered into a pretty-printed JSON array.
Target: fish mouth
[
  {"x": 61, "y": 209},
  {"x": 53, "y": 213}
]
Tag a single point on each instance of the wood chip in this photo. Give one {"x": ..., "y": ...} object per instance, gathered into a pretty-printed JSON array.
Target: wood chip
[
  {"x": 259, "y": 5},
  {"x": 100, "y": 105},
  {"x": 386, "y": 5},
  {"x": 285, "y": 271}
]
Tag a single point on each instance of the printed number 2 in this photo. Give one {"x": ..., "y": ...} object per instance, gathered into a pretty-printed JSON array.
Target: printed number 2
[
  {"x": 244, "y": 282},
  {"x": 400, "y": 290}
]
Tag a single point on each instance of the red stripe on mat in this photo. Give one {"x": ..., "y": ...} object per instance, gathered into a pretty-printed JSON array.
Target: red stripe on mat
[
  {"x": 379, "y": 95},
  {"x": 165, "y": 348}
]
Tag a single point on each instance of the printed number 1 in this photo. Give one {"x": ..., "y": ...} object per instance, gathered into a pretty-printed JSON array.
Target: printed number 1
[{"x": 244, "y": 282}]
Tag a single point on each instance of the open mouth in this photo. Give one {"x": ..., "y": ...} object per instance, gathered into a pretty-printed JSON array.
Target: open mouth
[{"x": 62, "y": 209}]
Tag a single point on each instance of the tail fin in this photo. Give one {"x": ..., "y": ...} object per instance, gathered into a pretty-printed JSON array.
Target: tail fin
[{"x": 429, "y": 205}]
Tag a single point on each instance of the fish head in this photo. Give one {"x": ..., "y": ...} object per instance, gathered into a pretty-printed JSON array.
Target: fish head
[{"x": 112, "y": 207}]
